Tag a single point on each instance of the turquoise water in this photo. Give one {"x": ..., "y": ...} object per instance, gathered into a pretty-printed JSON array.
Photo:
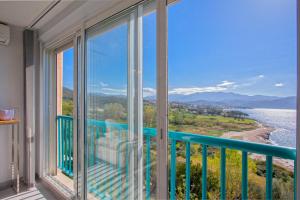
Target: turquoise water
[{"x": 282, "y": 120}]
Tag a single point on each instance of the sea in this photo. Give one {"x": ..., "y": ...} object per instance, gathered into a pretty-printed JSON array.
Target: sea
[{"x": 282, "y": 120}]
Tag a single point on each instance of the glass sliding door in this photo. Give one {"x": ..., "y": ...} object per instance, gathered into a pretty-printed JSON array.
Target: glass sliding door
[
  {"x": 120, "y": 106},
  {"x": 223, "y": 82},
  {"x": 61, "y": 138},
  {"x": 111, "y": 120},
  {"x": 149, "y": 100}
]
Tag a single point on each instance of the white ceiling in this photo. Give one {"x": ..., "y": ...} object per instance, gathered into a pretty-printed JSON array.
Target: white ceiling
[
  {"x": 25, "y": 13},
  {"x": 22, "y": 13},
  {"x": 77, "y": 13},
  {"x": 56, "y": 17}
]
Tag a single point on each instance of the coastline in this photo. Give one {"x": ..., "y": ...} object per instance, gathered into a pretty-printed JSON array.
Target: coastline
[{"x": 260, "y": 135}]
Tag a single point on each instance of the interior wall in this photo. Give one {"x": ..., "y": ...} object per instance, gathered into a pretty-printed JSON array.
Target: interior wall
[{"x": 12, "y": 95}]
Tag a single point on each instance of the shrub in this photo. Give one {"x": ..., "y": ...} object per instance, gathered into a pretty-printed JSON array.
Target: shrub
[{"x": 282, "y": 190}]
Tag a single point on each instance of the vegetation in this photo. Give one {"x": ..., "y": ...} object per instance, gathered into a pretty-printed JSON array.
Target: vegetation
[
  {"x": 216, "y": 121},
  {"x": 200, "y": 120},
  {"x": 67, "y": 107},
  {"x": 67, "y": 102},
  {"x": 282, "y": 179}
]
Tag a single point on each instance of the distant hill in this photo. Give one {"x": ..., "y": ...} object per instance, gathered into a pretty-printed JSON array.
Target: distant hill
[
  {"x": 97, "y": 98},
  {"x": 219, "y": 96},
  {"x": 217, "y": 99},
  {"x": 236, "y": 100},
  {"x": 67, "y": 93}
]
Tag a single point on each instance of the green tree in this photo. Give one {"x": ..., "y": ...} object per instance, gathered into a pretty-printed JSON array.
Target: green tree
[
  {"x": 67, "y": 107},
  {"x": 149, "y": 116},
  {"x": 178, "y": 117},
  {"x": 114, "y": 111}
]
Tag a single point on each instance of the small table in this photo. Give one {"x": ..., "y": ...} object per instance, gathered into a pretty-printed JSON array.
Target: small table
[{"x": 14, "y": 124}]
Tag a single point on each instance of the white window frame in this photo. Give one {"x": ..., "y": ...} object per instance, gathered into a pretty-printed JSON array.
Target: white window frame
[
  {"x": 133, "y": 17},
  {"x": 162, "y": 183},
  {"x": 297, "y": 168},
  {"x": 162, "y": 99},
  {"x": 48, "y": 111}
]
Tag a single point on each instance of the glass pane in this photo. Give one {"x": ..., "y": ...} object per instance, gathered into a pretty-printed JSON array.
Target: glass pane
[
  {"x": 64, "y": 118},
  {"x": 107, "y": 120},
  {"x": 114, "y": 137},
  {"x": 149, "y": 100},
  {"x": 232, "y": 74}
]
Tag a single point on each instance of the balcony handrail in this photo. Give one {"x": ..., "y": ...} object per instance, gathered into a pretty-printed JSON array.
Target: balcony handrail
[
  {"x": 64, "y": 117},
  {"x": 265, "y": 149},
  {"x": 259, "y": 148},
  {"x": 245, "y": 147}
]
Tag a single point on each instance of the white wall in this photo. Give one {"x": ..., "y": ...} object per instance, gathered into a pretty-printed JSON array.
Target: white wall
[{"x": 11, "y": 94}]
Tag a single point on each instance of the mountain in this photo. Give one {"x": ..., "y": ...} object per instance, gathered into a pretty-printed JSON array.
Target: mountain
[
  {"x": 218, "y": 99},
  {"x": 67, "y": 93},
  {"x": 282, "y": 103},
  {"x": 219, "y": 96},
  {"x": 225, "y": 99}
]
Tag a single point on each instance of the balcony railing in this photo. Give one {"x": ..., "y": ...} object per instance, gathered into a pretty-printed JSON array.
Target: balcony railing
[
  {"x": 65, "y": 144},
  {"x": 101, "y": 128}
]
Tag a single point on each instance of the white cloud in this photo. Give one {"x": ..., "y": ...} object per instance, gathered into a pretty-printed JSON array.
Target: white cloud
[
  {"x": 225, "y": 85},
  {"x": 149, "y": 92},
  {"x": 97, "y": 85},
  {"x": 261, "y": 76},
  {"x": 113, "y": 91},
  {"x": 119, "y": 91},
  {"x": 279, "y": 85},
  {"x": 188, "y": 91},
  {"x": 251, "y": 81},
  {"x": 102, "y": 84}
]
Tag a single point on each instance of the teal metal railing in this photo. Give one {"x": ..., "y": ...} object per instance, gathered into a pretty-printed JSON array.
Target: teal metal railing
[
  {"x": 65, "y": 144},
  {"x": 100, "y": 128},
  {"x": 222, "y": 143}
]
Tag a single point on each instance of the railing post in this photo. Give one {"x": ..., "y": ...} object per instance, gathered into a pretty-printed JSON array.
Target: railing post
[
  {"x": 187, "y": 170},
  {"x": 59, "y": 141},
  {"x": 64, "y": 145},
  {"x": 72, "y": 147},
  {"x": 148, "y": 167},
  {"x": 204, "y": 172},
  {"x": 95, "y": 144},
  {"x": 295, "y": 179},
  {"x": 269, "y": 176},
  {"x": 92, "y": 145},
  {"x": 127, "y": 171},
  {"x": 173, "y": 170},
  {"x": 119, "y": 165},
  {"x": 69, "y": 146},
  {"x": 244, "y": 175},
  {"x": 223, "y": 174}
]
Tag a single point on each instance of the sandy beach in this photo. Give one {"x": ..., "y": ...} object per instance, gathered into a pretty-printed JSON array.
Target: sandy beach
[{"x": 259, "y": 135}]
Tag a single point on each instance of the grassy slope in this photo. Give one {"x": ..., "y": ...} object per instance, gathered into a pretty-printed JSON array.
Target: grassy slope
[{"x": 213, "y": 125}]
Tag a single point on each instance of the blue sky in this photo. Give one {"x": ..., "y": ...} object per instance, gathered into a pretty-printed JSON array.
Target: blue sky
[
  {"x": 241, "y": 46},
  {"x": 68, "y": 71}
]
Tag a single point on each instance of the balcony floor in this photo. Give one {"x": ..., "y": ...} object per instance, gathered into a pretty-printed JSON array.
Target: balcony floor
[{"x": 40, "y": 192}]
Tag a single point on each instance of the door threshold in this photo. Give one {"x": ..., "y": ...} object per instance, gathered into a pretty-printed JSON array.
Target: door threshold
[{"x": 58, "y": 188}]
